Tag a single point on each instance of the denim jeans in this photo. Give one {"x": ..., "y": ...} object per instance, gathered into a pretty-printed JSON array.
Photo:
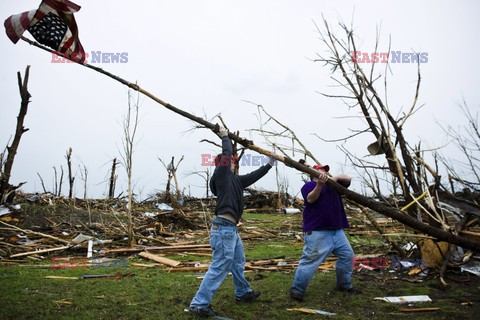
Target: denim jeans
[
  {"x": 318, "y": 245},
  {"x": 228, "y": 256}
]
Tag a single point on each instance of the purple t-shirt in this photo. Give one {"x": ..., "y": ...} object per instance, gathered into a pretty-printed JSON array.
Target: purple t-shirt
[{"x": 325, "y": 213}]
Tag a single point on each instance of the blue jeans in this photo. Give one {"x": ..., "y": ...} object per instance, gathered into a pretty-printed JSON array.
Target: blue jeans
[
  {"x": 228, "y": 256},
  {"x": 318, "y": 245}
]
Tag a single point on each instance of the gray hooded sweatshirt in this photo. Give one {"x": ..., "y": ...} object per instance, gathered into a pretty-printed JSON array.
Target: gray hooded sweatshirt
[{"x": 229, "y": 187}]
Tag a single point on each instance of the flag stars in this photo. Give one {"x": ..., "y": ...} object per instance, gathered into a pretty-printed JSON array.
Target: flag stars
[{"x": 49, "y": 31}]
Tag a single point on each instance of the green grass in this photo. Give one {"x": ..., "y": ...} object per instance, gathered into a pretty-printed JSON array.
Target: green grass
[
  {"x": 270, "y": 250},
  {"x": 157, "y": 294},
  {"x": 273, "y": 221}
]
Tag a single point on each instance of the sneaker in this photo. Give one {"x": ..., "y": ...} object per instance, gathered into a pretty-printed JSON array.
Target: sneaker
[
  {"x": 351, "y": 290},
  {"x": 295, "y": 295},
  {"x": 248, "y": 297},
  {"x": 203, "y": 312}
]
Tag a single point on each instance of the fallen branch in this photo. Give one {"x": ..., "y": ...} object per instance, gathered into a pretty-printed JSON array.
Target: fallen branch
[
  {"x": 163, "y": 248},
  {"x": 39, "y": 251},
  {"x": 360, "y": 199},
  {"x": 36, "y": 233}
]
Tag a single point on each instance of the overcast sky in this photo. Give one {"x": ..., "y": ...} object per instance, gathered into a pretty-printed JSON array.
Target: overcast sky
[{"x": 206, "y": 57}]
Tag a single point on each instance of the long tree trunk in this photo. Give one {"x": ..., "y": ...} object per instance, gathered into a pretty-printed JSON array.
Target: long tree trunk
[{"x": 365, "y": 201}]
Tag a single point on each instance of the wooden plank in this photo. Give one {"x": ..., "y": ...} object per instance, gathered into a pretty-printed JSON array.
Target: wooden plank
[
  {"x": 145, "y": 265},
  {"x": 36, "y": 233},
  {"x": 38, "y": 251},
  {"x": 157, "y": 258},
  {"x": 163, "y": 248}
]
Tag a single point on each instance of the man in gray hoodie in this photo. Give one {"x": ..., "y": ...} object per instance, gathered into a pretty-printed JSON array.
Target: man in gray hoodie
[{"x": 228, "y": 254}]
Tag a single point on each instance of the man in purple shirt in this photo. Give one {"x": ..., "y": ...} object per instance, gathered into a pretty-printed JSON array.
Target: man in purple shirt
[{"x": 323, "y": 222}]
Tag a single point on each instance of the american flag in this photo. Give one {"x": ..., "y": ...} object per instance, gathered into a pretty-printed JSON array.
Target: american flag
[{"x": 52, "y": 24}]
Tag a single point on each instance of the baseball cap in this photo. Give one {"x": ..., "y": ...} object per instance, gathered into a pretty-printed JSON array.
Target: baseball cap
[{"x": 325, "y": 167}]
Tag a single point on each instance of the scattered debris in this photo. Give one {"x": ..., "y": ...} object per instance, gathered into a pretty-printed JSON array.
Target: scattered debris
[
  {"x": 433, "y": 252},
  {"x": 157, "y": 258},
  {"x": 291, "y": 210},
  {"x": 312, "y": 311},
  {"x": 39, "y": 251},
  {"x": 62, "y": 277},
  {"x": 163, "y": 207},
  {"x": 405, "y": 299},
  {"x": 149, "y": 214},
  {"x": 472, "y": 267},
  {"x": 90, "y": 248},
  {"x": 81, "y": 238},
  {"x": 5, "y": 210}
]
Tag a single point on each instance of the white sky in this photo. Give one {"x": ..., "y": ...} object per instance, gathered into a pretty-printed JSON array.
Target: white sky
[{"x": 206, "y": 57}]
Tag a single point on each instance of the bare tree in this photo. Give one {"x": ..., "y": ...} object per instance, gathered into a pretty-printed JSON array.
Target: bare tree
[
  {"x": 113, "y": 179},
  {"x": 7, "y": 191},
  {"x": 130, "y": 125},
  {"x": 61, "y": 182},
  {"x": 172, "y": 173},
  {"x": 405, "y": 166},
  {"x": 464, "y": 169},
  {"x": 71, "y": 177},
  {"x": 84, "y": 178},
  {"x": 205, "y": 175},
  {"x": 41, "y": 181},
  {"x": 362, "y": 93},
  {"x": 57, "y": 190},
  {"x": 58, "y": 182}
]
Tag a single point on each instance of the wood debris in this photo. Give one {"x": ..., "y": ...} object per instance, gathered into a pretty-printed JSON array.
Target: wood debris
[{"x": 159, "y": 259}]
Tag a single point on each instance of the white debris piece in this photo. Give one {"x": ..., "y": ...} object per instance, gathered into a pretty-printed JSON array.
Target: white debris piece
[
  {"x": 472, "y": 267},
  {"x": 81, "y": 238},
  {"x": 163, "y": 207},
  {"x": 405, "y": 299},
  {"x": 409, "y": 246},
  {"x": 4, "y": 210},
  {"x": 90, "y": 249},
  {"x": 291, "y": 210},
  {"x": 149, "y": 214}
]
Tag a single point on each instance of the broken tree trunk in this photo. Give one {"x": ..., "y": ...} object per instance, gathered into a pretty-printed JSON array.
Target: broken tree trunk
[
  {"x": 7, "y": 191},
  {"x": 113, "y": 179},
  {"x": 379, "y": 207},
  {"x": 71, "y": 178}
]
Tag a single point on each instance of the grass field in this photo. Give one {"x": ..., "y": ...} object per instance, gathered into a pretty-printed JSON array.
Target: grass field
[{"x": 157, "y": 294}]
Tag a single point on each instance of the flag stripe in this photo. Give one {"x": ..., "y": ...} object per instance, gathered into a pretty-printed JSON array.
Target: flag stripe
[
  {"x": 16, "y": 25},
  {"x": 10, "y": 29},
  {"x": 65, "y": 6},
  {"x": 25, "y": 20},
  {"x": 39, "y": 15}
]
